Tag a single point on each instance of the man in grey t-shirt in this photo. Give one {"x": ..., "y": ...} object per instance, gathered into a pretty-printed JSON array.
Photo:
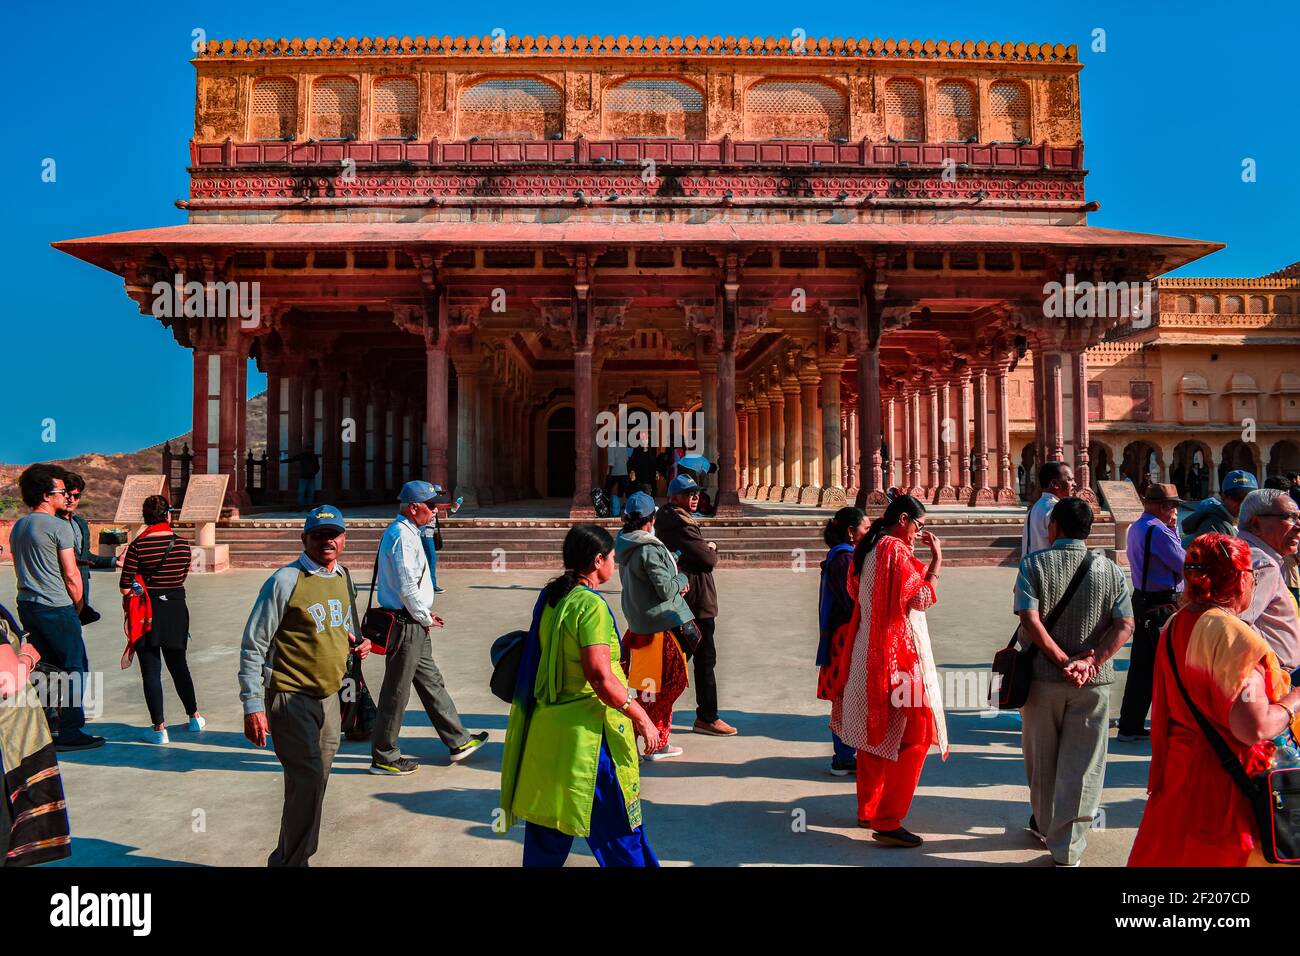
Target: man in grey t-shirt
[{"x": 50, "y": 598}]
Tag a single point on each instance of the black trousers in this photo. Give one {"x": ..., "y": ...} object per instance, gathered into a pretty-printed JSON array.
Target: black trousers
[
  {"x": 151, "y": 662},
  {"x": 1142, "y": 659},
  {"x": 706, "y": 685}
]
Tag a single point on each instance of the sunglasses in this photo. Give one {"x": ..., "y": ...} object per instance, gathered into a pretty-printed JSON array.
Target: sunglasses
[{"x": 1290, "y": 517}]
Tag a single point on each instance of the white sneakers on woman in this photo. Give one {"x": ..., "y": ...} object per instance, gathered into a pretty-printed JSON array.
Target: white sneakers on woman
[{"x": 151, "y": 736}]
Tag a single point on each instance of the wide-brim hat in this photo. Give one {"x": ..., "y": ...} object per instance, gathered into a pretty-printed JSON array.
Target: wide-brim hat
[{"x": 1164, "y": 493}]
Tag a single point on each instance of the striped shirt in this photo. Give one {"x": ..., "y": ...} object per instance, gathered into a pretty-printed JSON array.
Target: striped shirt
[{"x": 144, "y": 556}]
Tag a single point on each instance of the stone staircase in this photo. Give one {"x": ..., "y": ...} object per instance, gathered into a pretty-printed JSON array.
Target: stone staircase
[{"x": 514, "y": 543}]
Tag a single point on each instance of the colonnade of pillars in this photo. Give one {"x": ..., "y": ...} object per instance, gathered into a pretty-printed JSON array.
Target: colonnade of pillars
[
  {"x": 945, "y": 440},
  {"x": 791, "y": 438}
]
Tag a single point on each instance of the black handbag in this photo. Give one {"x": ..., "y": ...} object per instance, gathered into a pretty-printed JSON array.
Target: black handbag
[
  {"x": 1274, "y": 795},
  {"x": 506, "y": 655},
  {"x": 688, "y": 637},
  {"x": 380, "y": 625},
  {"x": 1013, "y": 667}
]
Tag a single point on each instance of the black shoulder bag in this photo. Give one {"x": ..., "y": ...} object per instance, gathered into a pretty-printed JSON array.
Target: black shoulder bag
[
  {"x": 1012, "y": 667},
  {"x": 380, "y": 624},
  {"x": 1274, "y": 795}
]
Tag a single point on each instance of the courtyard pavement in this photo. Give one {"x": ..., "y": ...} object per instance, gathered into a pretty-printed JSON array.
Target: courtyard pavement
[{"x": 763, "y": 797}]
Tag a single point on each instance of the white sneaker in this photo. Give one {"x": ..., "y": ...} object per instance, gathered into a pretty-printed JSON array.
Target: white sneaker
[
  {"x": 665, "y": 753},
  {"x": 197, "y": 723},
  {"x": 152, "y": 736}
]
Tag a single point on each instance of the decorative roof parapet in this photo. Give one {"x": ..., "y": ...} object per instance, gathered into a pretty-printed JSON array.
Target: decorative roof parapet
[
  {"x": 1272, "y": 281},
  {"x": 502, "y": 45}
]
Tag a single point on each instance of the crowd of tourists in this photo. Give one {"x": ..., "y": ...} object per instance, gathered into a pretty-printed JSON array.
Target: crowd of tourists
[{"x": 1212, "y": 615}]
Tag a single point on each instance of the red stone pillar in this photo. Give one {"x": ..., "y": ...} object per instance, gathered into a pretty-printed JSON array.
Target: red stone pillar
[
  {"x": 206, "y": 418},
  {"x": 932, "y": 435},
  {"x": 742, "y": 450},
  {"x": 890, "y": 429},
  {"x": 981, "y": 495},
  {"x": 1055, "y": 422},
  {"x": 729, "y": 435},
  {"x": 1005, "y": 493},
  {"x": 763, "y": 482},
  {"x": 852, "y": 451},
  {"x": 582, "y": 434},
  {"x": 915, "y": 488},
  {"x": 379, "y": 482},
  {"x": 810, "y": 492},
  {"x": 944, "y": 492},
  {"x": 435, "y": 414},
  {"x": 832, "y": 493},
  {"x": 754, "y": 431},
  {"x": 1082, "y": 464},
  {"x": 331, "y": 433},
  {"x": 485, "y": 481},
  {"x": 870, "y": 495},
  {"x": 963, "y": 435},
  {"x": 467, "y": 369},
  {"x": 777, "y": 400},
  {"x": 790, "y": 391},
  {"x": 234, "y": 374}
]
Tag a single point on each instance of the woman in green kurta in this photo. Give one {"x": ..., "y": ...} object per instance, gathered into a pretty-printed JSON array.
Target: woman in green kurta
[{"x": 570, "y": 763}]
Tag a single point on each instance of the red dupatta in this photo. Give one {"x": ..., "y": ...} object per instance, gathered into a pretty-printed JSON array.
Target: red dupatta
[{"x": 899, "y": 579}]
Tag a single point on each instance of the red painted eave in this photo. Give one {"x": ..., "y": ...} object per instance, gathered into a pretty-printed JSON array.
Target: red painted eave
[{"x": 101, "y": 250}]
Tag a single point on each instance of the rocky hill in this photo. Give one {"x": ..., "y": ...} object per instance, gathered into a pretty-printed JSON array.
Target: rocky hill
[{"x": 105, "y": 474}]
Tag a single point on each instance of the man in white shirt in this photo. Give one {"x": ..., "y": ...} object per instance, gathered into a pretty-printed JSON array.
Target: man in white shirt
[
  {"x": 1270, "y": 524},
  {"x": 1055, "y": 481},
  {"x": 403, "y": 584}
]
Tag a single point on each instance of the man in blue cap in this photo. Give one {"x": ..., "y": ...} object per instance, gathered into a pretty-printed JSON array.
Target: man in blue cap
[
  {"x": 404, "y": 585},
  {"x": 678, "y": 529},
  {"x": 1219, "y": 515},
  {"x": 291, "y": 666}
]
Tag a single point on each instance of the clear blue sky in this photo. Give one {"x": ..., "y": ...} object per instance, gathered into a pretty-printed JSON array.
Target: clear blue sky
[{"x": 1182, "y": 94}]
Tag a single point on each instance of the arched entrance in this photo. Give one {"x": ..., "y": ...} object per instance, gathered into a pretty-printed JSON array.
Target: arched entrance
[
  {"x": 1283, "y": 457},
  {"x": 1142, "y": 464},
  {"x": 1191, "y": 469},
  {"x": 1027, "y": 473},
  {"x": 561, "y": 451},
  {"x": 1237, "y": 456},
  {"x": 1101, "y": 463}
]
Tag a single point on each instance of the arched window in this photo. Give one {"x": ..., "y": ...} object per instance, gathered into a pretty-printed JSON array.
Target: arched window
[
  {"x": 654, "y": 107},
  {"x": 795, "y": 109},
  {"x": 511, "y": 108},
  {"x": 1232, "y": 305},
  {"x": 335, "y": 108},
  {"x": 395, "y": 107},
  {"x": 1281, "y": 305},
  {"x": 1207, "y": 303},
  {"x": 1008, "y": 111},
  {"x": 954, "y": 110},
  {"x": 275, "y": 109},
  {"x": 905, "y": 110},
  {"x": 1184, "y": 303}
]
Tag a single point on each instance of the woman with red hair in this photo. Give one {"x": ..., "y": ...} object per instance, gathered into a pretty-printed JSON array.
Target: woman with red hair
[{"x": 1196, "y": 815}]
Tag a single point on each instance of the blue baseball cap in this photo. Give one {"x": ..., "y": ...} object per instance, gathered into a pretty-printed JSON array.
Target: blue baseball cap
[
  {"x": 417, "y": 491},
  {"x": 680, "y": 484},
  {"x": 325, "y": 516},
  {"x": 1239, "y": 482},
  {"x": 639, "y": 505}
]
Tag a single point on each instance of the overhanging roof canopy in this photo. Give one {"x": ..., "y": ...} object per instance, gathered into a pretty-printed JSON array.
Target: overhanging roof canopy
[{"x": 101, "y": 250}]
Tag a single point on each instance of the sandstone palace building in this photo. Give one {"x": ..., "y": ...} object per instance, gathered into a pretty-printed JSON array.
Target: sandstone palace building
[{"x": 835, "y": 250}]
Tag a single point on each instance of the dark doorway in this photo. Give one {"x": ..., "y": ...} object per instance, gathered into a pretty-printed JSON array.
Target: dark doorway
[{"x": 560, "y": 453}]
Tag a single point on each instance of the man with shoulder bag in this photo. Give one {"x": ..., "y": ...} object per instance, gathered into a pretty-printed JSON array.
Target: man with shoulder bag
[
  {"x": 402, "y": 626},
  {"x": 1155, "y": 560},
  {"x": 1064, "y": 721}
]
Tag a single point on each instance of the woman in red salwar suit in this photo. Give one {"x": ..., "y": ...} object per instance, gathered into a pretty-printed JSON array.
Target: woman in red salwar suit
[
  {"x": 881, "y": 678},
  {"x": 1196, "y": 815}
]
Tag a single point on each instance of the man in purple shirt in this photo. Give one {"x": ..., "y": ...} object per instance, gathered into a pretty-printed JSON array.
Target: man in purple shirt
[{"x": 1155, "y": 559}]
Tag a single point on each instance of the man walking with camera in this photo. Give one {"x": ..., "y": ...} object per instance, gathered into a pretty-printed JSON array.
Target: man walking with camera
[{"x": 404, "y": 589}]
